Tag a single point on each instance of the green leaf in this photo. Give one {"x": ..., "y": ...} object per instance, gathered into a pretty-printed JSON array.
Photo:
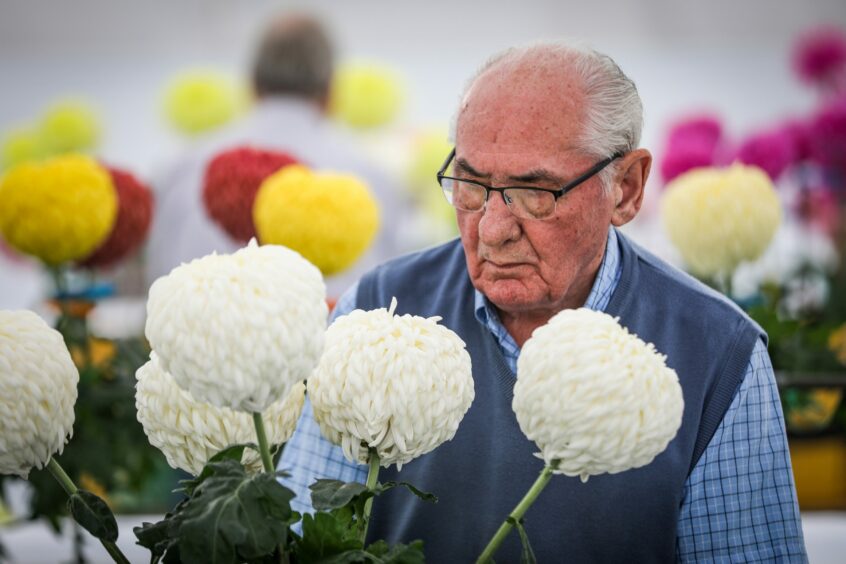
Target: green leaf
[
  {"x": 93, "y": 515},
  {"x": 232, "y": 452},
  {"x": 425, "y": 496},
  {"x": 233, "y": 516},
  {"x": 326, "y": 535},
  {"x": 527, "y": 556},
  {"x": 332, "y": 494},
  {"x": 399, "y": 554}
]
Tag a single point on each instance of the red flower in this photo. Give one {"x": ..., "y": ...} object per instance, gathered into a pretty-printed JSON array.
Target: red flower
[
  {"x": 135, "y": 213},
  {"x": 232, "y": 180}
]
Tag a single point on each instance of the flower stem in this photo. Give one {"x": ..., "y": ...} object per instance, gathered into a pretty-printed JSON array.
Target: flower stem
[
  {"x": 68, "y": 485},
  {"x": 264, "y": 449},
  {"x": 61, "y": 477},
  {"x": 516, "y": 514},
  {"x": 372, "y": 479}
]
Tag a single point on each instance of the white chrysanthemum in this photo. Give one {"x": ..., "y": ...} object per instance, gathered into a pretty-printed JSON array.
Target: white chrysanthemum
[
  {"x": 239, "y": 330},
  {"x": 718, "y": 218},
  {"x": 398, "y": 384},
  {"x": 189, "y": 432},
  {"x": 595, "y": 398},
  {"x": 37, "y": 392}
]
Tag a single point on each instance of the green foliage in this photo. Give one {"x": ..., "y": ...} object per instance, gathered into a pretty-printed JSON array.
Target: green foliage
[
  {"x": 93, "y": 515},
  {"x": 230, "y": 516},
  {"x": 333, "y": 535}
]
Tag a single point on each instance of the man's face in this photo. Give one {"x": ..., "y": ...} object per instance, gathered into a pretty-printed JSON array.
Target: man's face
[{"x": 526, "y": 135}]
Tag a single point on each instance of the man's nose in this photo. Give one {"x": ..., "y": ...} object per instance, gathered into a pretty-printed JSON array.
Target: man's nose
[{"x": 497, "y": 225}]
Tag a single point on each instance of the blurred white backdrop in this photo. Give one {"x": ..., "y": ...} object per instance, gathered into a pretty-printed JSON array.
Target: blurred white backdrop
[{"x": 725, "y": 55}]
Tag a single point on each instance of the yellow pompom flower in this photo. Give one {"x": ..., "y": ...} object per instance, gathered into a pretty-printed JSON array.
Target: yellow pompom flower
[
  {"x": 329, "y": 218},
  {"x": 67, "y": 127},
  {"x": 58, "y": 210},
  {"x": 837, "y": 344},
  {"x": 430, "y": 149},
  {"x": 19, "y": 146},
  {"x": 365, "y": 95},
  {"x": 718, "y": 218},
  {"x": 199, "y": 101}
]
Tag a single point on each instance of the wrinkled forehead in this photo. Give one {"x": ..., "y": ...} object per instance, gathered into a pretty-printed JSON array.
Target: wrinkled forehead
[{"x": 522, "y": 107}]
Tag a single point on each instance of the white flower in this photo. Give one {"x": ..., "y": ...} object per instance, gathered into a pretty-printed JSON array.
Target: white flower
[
  {"x": 594, "y": 397},
  {"x": 37, "y": 392},
  {"x": 239, "y": 330},
  {"x": 719, "y": 218},
  {"x": 399, "y": 384},
  {"x": 189, "y": 432}
]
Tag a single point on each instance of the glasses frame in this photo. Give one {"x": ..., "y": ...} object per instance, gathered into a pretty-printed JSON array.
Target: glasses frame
[{"x": 556, "y": 192}]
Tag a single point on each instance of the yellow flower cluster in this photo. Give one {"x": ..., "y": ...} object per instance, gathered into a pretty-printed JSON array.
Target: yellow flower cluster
[
  {"x": 18, "y": 146},
  {"x": 430, "y": 150},
  {"x": 68, "y": 126},
  {"x": 199, "y": 101},
  {"x": 837, "y": 344},
  {"x": 329, "y": 218},
  {"x": 718, "y": 218},
  {"x": 365, "y": 96},
  {"x": 58, "y": 210}
]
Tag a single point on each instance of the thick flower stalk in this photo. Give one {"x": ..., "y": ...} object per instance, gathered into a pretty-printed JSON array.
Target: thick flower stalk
[
  {"x": 396, "y": 385},
  {"x": 329, "y": 218},
  {"x": 718, "y": 218},
  {"x": 59, "y": 210},
  {"x": 365, "y": 95},
  {"x": 239, "y": 330},
  {"x": 595, "y": 398},
  {"x": 189, "y": 432},
  {"x": 37, "y": 392},
  {"x": 231, "y": 183},
  {"x": 134, "y": 216}
]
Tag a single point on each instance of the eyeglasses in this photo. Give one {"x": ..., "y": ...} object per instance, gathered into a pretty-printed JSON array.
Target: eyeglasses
[{"x": 526, "y": 202}]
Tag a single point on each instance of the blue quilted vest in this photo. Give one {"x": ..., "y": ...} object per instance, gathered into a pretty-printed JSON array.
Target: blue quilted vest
[{"x": 485, "y": 470}]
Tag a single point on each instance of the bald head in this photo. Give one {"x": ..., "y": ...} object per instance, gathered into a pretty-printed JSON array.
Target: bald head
[
  {"x": 554, "y": 87},
  {"x": 294, "y": 57}
]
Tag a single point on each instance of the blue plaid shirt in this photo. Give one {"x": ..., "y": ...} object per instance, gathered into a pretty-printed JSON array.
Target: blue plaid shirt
[{"x": 739, "y": 501}]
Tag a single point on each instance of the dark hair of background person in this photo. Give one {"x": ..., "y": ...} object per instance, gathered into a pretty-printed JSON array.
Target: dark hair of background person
[{"x": 294, "y": 57}]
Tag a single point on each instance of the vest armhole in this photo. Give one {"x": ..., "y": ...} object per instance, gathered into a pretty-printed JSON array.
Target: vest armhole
[{"x": 730, "y": 378}]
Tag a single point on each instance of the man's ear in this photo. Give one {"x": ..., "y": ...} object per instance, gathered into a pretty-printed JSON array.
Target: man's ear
[{"x": 629, "y": 183}]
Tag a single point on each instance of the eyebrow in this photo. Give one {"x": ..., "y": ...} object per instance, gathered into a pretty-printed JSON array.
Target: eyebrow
[{"x": 534, "y": 175}]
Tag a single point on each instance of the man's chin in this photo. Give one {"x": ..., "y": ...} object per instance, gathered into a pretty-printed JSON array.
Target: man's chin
[{"x": 509, "y": 294}]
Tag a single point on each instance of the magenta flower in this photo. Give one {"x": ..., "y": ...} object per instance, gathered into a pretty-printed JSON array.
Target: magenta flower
[
  {"x": 828, "y": 135},
  {"x": 819, "y": 56},
  {"x": 773, "y": 151}
]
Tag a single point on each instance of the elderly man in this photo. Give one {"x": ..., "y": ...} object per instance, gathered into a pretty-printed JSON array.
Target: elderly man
[{"x": 546, "y": 166}]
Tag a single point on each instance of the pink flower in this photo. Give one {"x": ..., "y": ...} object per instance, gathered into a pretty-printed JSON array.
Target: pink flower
[
  {"x": 828, "y": 135},
  {"x": 704, "y": 127},
  {"x": 819, "y": 55},
  {"x": 818, "y": 207},
  {"x": 691, "y": 143},
  {"x": 773, "y": 151}
]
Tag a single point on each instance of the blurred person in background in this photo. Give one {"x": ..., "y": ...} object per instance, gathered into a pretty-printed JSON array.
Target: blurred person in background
[
  {"x": 291, "y": 79},
  {"x": 560, "y": 127}
]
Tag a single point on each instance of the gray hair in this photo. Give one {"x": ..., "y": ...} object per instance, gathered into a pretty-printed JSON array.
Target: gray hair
[
  {"x": 294, "y": 56},
  {"x": 613, "y": 118}
]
